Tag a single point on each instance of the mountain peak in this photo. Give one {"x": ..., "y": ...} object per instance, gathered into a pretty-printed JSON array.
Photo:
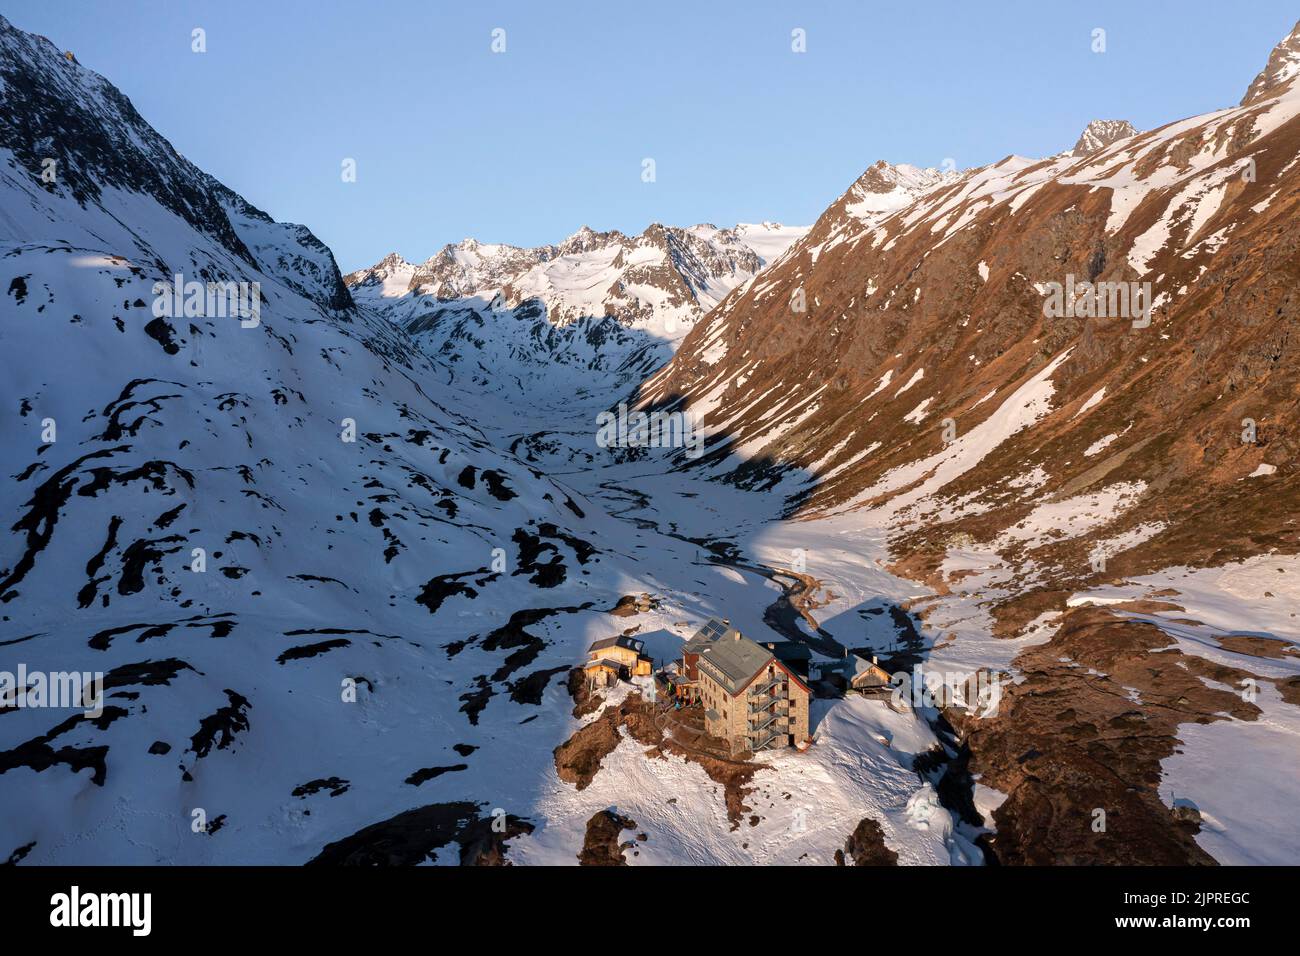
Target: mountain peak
[
  {"x": 883, "y": 177},
  {"x": 1283, "y": 66},
  {"x": 884, "y": 188},
  {"x": 1100, "y": 133},
  {"x": 586, "y": 239}
]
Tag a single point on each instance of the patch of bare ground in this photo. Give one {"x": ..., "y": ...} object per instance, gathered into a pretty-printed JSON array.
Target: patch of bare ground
[
  {"x": 415, "y": 836},
  {"x": 577, "y": 760},
  {"x": 1012, "y": 617},
  {"x": 1085, "y": 731},
  {"x": 922, "y": 565},
  {"x": 662, "y": 730},
  {"x": 584, "y": 701},
  {"x": 632, "y": 604},
  {"x": 601, "y": 845},
  {"x": 808, "y": 595},
  {"x": 1257, "y": 646},
  {"x": 866, "y": 846},
  {"x": 1145, "y": 606},
  {"x": 1289, "y": 688}
]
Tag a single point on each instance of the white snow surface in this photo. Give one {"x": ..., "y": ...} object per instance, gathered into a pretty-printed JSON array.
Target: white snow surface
[{"x": 376, "y": 560}]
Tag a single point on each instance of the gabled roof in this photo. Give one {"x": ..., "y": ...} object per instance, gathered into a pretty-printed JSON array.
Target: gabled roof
[
  {"x": 733, "y": 661},
  {"x": 730, "y": 658},
  {"x": 789, "y": 650},
  {"x": 627, "y": 643},
  {"x": 714, "y": 630},
  {"x": 864, "y": 667}
]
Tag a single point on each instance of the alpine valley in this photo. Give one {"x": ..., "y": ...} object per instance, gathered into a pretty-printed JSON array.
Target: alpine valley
[{"x": 340, "y": 566}]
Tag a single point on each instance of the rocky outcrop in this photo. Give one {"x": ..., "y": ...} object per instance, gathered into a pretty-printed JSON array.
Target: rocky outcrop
[
  {"x": 416, "y": 836},
  {"x": 1077, "y": 744},
  {"x": 601, "y": 845},
  {"x": 1099, "y": 134},
  {"x": 866, "y": 846},
  {"x": 1282, "y": 68}
]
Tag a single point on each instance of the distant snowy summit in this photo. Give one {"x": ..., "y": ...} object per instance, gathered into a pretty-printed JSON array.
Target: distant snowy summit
[{"x": 661, "y": 280}]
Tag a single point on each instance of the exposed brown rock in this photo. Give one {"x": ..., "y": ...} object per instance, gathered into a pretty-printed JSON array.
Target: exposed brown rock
[
  {"x": 577, "y": 760},
  {"x": 866, "y": 846},
  {"x": 415, "y": 836},
  {"x": 1289, "y": 688},
  {"x": 584, "y": 701},
  {"x": 1087, "y": 734},
  {"x": 1257, "y": 646},
  {"x": 630, "y": 604},
  {"x": 601, "y": 845}
]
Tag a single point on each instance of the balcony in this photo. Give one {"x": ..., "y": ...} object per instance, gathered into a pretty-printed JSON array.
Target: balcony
[
  {"x": 762, "y": 741},
  {"x": 767, "y": 720},
  {"x": 760, "y": 705}
]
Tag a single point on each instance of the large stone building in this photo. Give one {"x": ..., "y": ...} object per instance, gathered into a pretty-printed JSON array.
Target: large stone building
[{"x": 751, "y": 699}]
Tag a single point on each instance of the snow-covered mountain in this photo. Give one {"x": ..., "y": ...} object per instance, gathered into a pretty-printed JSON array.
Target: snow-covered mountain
[
  {"x": 334, "y": 609},
  {"x": 66, "y": 124},
  {"x": 599, "y": 310},
  {"x": 251, "y": 529},
  {"x": 336, "y": 560},
  {"x": 1042, "y": 380},
  {"x": 1099, "y": 134},
  {"x": 1279, "y": 72},
  {"x": 660, "y": 281},
  {"x": 934, "y": 299}
]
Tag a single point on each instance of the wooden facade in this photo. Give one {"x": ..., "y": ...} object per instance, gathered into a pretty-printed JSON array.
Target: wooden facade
[{"x": 616, "y": 658}]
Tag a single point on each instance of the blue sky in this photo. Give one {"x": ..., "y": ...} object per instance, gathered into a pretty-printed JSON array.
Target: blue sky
[{"x": 452, "y": 140}]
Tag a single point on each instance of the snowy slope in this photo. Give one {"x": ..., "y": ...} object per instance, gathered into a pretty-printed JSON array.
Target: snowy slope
[
  {"x": 659, "y": 281},
  {"x": 324, "y": 557},
  {"x": 599, "y": 310},
  {"x": 321, "y": 592},
  {"x": 898, "y": 376},
  {"x": 385, "y": 625}
]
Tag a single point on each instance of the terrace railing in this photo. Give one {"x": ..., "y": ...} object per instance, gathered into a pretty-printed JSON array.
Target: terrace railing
[{"x": 765, "y": 721}]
